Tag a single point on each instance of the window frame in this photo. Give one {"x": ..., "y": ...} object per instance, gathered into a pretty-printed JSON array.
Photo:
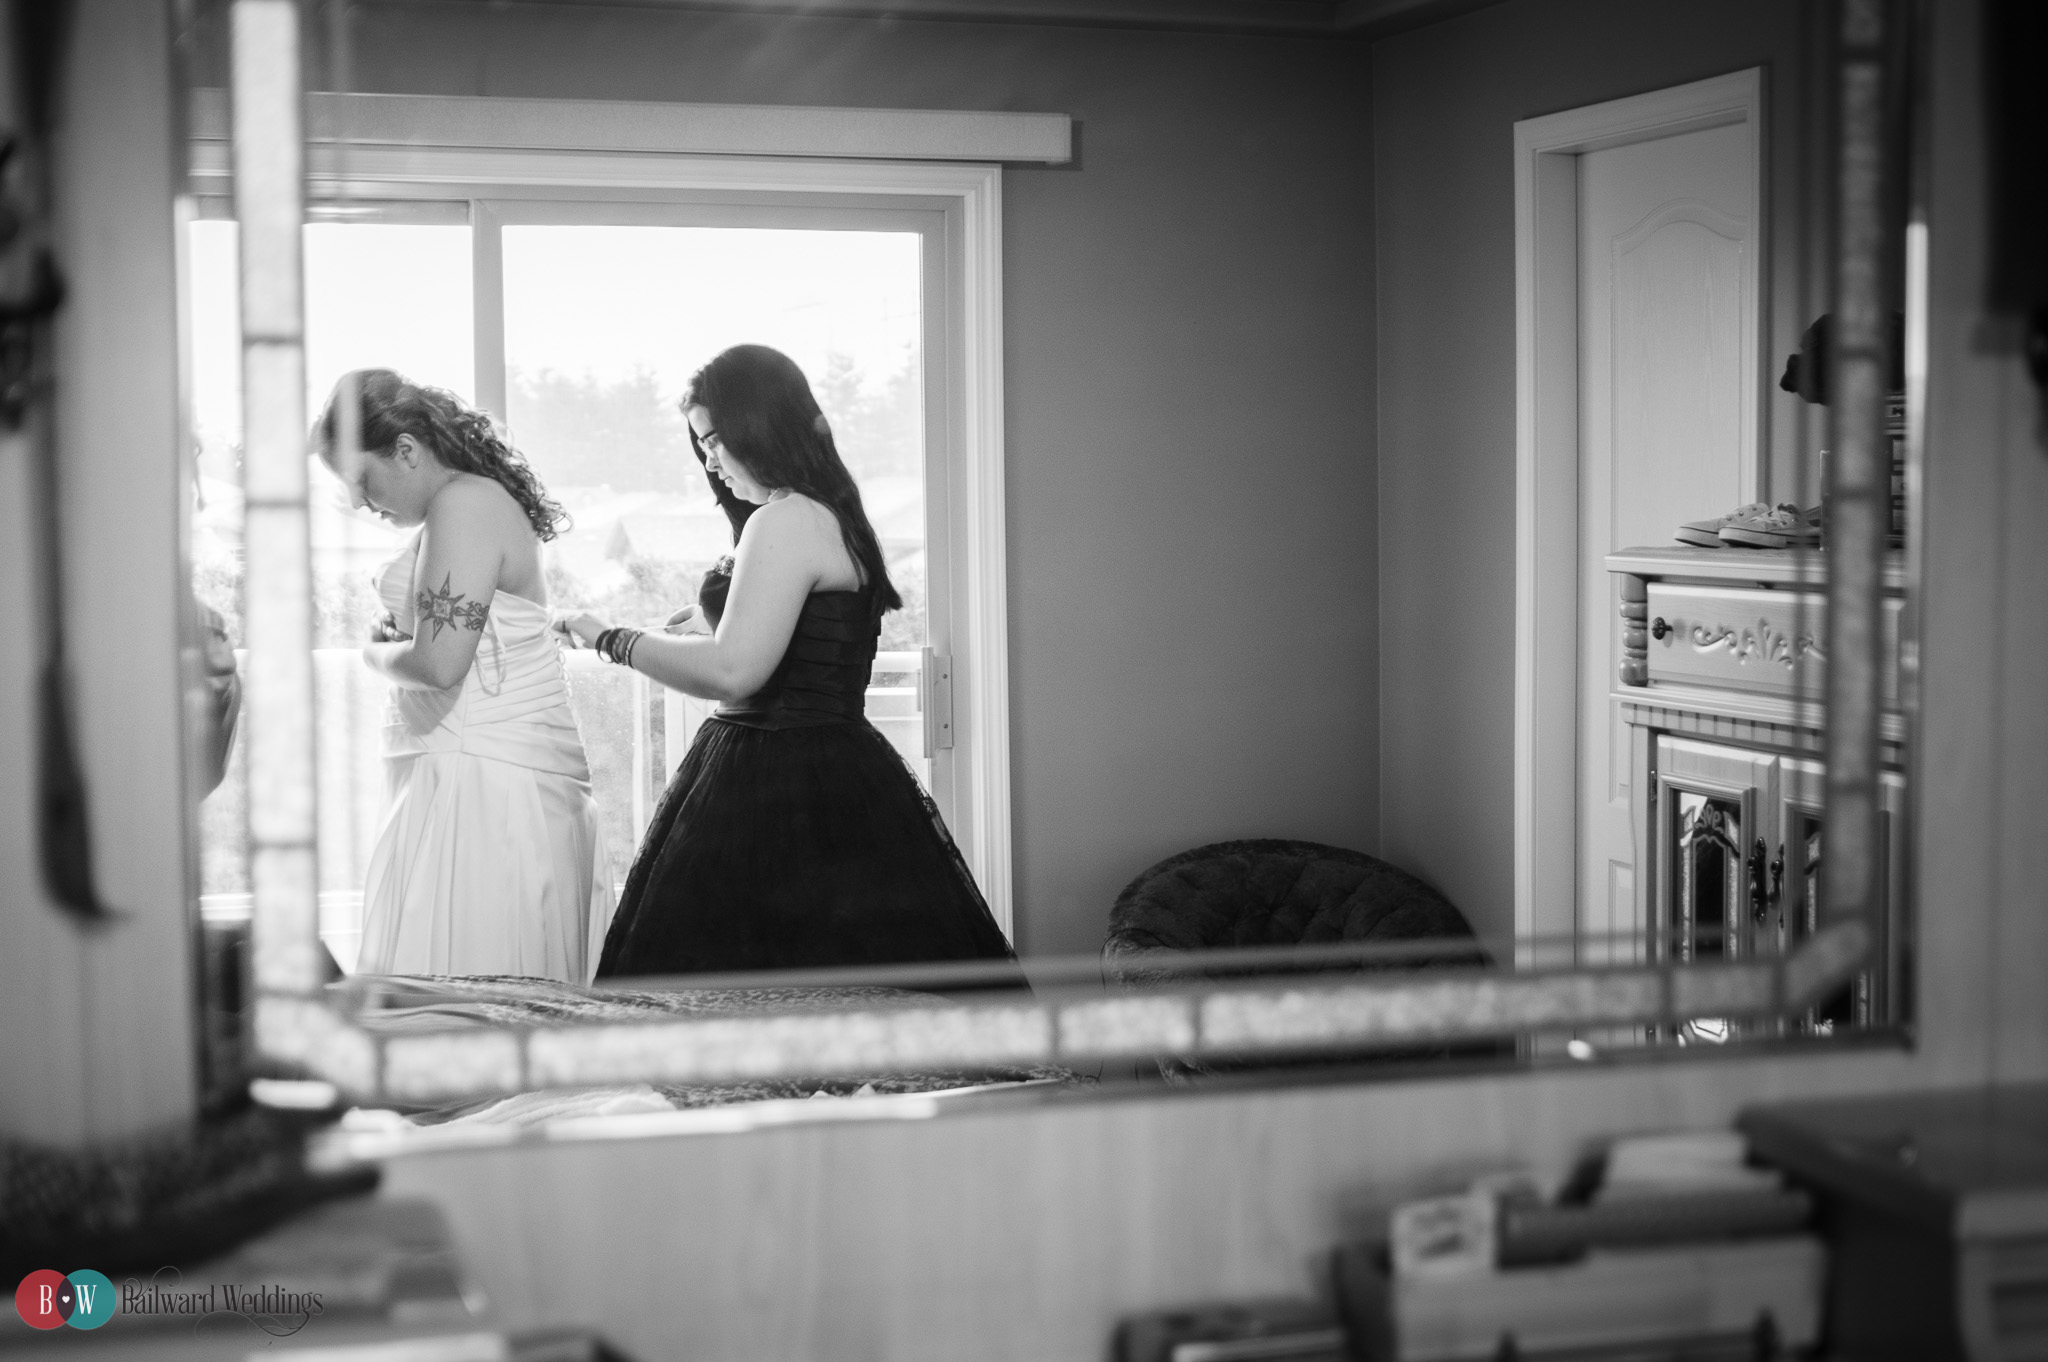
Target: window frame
[{"x": 509, "y": 161}]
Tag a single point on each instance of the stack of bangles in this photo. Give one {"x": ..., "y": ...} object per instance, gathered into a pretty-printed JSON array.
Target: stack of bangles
[{"x": 616, "y": 645}]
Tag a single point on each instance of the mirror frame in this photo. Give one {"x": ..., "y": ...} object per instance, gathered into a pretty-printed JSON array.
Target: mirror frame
[{"x": 298, "y": 1024}]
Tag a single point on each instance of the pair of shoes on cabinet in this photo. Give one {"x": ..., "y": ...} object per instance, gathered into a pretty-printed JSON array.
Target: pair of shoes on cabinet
[
  {"x": 1755, "y": 526},
  {"x": 1783, "y": 526},
  {"x": 1706, "y": 534}
]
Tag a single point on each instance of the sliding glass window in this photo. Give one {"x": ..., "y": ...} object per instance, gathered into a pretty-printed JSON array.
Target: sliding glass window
[{"x": 578, "y": 323}]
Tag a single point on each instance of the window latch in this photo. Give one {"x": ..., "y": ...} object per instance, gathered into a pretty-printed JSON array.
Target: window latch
[{"x": 935, "y": 701}]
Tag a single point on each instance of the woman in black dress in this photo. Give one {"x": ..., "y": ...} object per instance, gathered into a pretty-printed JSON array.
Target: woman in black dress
[{"x": 793, "y": 835}]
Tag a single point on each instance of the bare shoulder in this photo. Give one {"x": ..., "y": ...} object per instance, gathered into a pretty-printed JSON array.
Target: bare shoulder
[
  {"x": 475, "y": 505},
  {"x": 806, "y": 532},
  {"x": 795, "y": 518}
]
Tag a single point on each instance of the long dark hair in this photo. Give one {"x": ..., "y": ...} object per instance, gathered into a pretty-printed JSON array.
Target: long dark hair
[
  {"x": 762, "y": 409},
  {"x": 461, "y": 437}
]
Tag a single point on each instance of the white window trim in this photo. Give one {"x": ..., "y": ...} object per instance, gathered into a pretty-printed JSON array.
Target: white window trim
[
  {"x": 471, "y": 122},
  {"x": 969, "y": 194}
]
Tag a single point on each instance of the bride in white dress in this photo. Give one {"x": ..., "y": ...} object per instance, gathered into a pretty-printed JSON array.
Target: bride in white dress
[{"x": 490, "y": 859}]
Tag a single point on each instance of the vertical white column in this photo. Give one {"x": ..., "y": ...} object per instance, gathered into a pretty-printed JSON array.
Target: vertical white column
[
  {"x": 680, "y": 716},
  {"x": 979, "y": 643},
  {"x": 269, "y": 168},
  {"x": 487, "y": 295},
  {"x": 1859, "y": 482},
  {"x": 100, "y": 1024},
  {"x": 641, "y": 700}
]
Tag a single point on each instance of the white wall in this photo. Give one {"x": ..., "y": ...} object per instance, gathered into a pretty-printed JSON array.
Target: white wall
[
  {"x": 98, "y": 1024},
  {"x": 1983, "y": 760}
]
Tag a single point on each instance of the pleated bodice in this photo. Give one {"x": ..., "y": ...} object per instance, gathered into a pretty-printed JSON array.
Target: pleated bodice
[
  {"x": 824, "y": 673},
  {"x": 512, "y": 705}
]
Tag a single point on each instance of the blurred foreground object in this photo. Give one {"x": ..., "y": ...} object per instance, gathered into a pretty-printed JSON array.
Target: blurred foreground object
[
  {"x": 1294, "y": 1330},
  {"x": 1936, "y": 1208},
  {"x": 1667, "y": 1245}
]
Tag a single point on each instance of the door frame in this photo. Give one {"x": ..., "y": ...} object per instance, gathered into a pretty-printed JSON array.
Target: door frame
[{"x": 1547, "y": 454}]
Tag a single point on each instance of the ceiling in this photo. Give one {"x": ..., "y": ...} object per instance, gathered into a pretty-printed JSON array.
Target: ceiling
[{"x": 1356, "y": 19}]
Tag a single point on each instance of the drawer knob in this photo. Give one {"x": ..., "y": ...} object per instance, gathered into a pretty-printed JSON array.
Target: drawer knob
[{"x": 1658, "y": 628}]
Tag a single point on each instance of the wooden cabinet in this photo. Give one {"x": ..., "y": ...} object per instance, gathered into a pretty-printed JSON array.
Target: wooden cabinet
[{"x": 1719, "y": 684}]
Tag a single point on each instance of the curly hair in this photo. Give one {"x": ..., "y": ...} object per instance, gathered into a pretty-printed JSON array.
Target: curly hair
[
  {"x": 762, "y": 408},
  {"x": 460, "y": 436}
]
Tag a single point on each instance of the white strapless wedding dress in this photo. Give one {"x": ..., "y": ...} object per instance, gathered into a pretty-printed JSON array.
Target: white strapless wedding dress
[{"x": 491, "y": 859}]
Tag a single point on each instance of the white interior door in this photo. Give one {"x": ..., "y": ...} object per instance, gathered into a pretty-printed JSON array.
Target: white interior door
[{"x": 1667, "y": 419}]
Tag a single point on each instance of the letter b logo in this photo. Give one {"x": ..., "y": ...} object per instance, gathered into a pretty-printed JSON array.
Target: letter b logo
[{"x": 43, "y": 1299}]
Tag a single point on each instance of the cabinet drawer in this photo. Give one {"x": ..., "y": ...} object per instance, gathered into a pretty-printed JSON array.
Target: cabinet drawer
[{"x": 1749, "y": 639}]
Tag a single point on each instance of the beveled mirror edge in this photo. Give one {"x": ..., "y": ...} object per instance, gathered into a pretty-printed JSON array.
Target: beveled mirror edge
[
  {"x": 1232, "y": 1021},
  {"x": 293, "y": 1024},
  {"x": 269, "y": 172},
  {"x": 1915, "y": 19}
]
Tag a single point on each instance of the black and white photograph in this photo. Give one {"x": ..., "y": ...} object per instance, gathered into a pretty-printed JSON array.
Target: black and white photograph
[{"x": 1033, "y": 680}]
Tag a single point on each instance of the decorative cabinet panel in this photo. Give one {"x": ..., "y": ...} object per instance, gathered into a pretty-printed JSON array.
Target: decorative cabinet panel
[
  {"x": 1709, "y": 812},
  {"x": 1736, "y": 636},
  {"x": 1736, "y": 843},
  {"x": 1749, "y": 638},
  {"x": 1878, "y": 994},
  {"x": 1719, "y": 680}
]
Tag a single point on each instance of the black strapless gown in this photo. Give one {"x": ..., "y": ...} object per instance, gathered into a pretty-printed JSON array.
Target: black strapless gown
[{"x": 793, "y": 835}]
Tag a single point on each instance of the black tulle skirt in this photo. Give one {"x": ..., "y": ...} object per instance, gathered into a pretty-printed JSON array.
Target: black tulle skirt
[{"x": 796, "y": 848}]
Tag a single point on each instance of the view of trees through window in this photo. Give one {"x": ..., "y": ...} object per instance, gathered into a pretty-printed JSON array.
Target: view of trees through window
[
  {"x": 604, "y": 326},
  {"x": 617, "y": 454}
]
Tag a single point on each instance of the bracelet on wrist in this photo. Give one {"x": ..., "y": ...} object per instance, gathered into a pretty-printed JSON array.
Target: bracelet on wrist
[{"x": 616, "y": 645}]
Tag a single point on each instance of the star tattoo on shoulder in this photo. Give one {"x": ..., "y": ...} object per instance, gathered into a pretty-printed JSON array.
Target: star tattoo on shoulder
[{"x": 449, "y": 609}]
